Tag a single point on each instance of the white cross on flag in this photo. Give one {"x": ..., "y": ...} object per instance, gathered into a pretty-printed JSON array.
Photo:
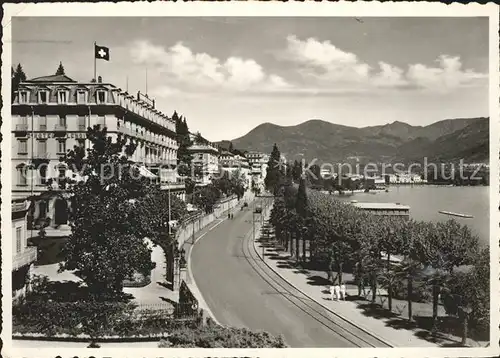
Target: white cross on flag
[{"x": 101, "y": 52}]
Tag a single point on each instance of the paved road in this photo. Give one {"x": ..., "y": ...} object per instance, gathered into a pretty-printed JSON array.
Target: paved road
[{"x": 242, "y": 292}]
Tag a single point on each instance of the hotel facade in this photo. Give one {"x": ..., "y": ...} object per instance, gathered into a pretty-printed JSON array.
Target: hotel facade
[{"x": 50, "y": 115}]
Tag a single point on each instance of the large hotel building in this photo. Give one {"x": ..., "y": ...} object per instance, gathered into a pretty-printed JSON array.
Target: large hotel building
[{"x": 50, "y": 115}]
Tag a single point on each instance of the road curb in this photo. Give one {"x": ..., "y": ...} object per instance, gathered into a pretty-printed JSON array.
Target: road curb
[
  {"x": 321, "y": 304},
  {"x": 192, "y": 285}
]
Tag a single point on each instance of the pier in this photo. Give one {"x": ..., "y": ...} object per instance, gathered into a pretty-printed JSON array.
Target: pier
[{"x": 456, "y": 214}]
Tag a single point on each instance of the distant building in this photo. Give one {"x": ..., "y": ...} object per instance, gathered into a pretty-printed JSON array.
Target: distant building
[
  {"x": 206, "y": 158},
  {"x": 384, "y": 209},
  {"x": 232, "y": 163},
  {"x": 254, "y": 157},
  {"x": 404, "y": 178}
]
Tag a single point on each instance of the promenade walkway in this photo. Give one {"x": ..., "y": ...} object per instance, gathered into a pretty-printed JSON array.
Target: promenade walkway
[{"x": 392, "y": 328}]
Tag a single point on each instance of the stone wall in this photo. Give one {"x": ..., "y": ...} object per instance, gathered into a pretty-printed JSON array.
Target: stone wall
[{"x": 189, "y": 228}]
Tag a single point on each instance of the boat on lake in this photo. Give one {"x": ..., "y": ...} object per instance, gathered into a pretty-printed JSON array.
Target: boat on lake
[{"x": 467, "y": 216}]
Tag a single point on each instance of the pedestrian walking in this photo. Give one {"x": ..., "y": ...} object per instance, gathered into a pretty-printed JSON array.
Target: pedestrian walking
[
  {"x": 232, "y": 216},
  {"x": 342, "y": 292},
  {"x": 228, "y": 215}
]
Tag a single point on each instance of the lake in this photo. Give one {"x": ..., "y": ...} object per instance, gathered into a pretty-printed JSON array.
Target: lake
[{"x": 426, "y": 201}]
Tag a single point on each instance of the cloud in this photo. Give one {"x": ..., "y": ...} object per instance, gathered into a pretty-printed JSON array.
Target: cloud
[
  {"x": 449, "y": 75},
  {"x": 202, "y": 72},
  {"x": 324, "y": 61},
  {"x": 323, "y": 66}
]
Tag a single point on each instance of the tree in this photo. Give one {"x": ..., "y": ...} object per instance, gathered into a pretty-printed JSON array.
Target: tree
[
  {"x": 230, "y": 149},
  {"x": 60, "y": 69},
  {"x": 223, "y": 184},
  {"x": 302, "y": 211},
  {"x": 238, "y": 183},
  {"x": 105, "y": 246},
  {"x": 206, "y": 197},
  {"x": 255, "y": 187},
  {"x": 413, "y": 250},
  {"x": 449, "y": 245},
  {"x": 153, "y": 214},
  {"x": 296, "y": 171},
  {"x": 18, "y": 76},
  {"x": 184, "y": 156},
  {"x": 275, "y": 176}
]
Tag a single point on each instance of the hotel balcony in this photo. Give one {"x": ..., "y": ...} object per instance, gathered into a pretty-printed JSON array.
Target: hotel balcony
[
  {"x": 24, "y": 258},
  {"x": 125, "y": 130},
  {"x": 60, "y": 128},
  {"x": 41, "y": 156},
  {"x": 21, "y": 127},
  {"x": 19, "y": 206},
  {"x": 172, "y": 186}
]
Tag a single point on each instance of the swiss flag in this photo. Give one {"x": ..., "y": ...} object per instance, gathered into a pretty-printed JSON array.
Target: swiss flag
[{"x": 101, "y": 52}]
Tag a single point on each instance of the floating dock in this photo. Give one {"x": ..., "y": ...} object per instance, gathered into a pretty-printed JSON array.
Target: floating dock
[{"x": 456, "y": 214}]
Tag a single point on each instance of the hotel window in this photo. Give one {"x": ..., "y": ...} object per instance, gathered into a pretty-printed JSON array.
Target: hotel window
[
  {"x": 22, "y": 146},
  {"x": 21, "y": 175},
  {"x": 42, "y": 147},
  {"x": 23, "y": 97},
  {"x": 43, "y": 123},
  {"x": 81, "y": 97},
  {"x": 43, "y": 174},
  {"x": 61, "y": 147},
  {"x": 19, "y": 239},
  {"x": 101, "y": 97},
  {"x": 62, "y": 97},
  {"x": 42, "y": 97},
  {"x": 81, "y": 124}
]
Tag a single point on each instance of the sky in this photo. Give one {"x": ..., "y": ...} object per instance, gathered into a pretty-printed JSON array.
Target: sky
[{"x": 227, "y": 75}]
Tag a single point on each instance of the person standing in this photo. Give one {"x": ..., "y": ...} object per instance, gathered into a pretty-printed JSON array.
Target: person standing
[
  {"x": 337, "y": 292},
  {"x": 342, "y": 292},
  {"x": 332, "y": 292}
]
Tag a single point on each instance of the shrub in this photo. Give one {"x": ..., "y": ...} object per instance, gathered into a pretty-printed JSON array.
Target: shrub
[
  {"x": 215, "y": 336},
  {"x": 96, "y": 319}
]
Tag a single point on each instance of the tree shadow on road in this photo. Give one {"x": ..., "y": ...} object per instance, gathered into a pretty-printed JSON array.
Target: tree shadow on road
[{"x": 318, "y": 281}]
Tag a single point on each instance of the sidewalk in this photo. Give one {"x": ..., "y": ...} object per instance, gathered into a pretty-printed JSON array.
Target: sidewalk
[{"x": 392, "y": 329}]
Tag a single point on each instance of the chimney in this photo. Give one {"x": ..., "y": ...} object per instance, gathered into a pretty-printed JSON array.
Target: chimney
[{"x": 99, "y": 79}]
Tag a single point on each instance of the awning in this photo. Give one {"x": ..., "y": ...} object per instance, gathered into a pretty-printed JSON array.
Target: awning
[{"x": 146, "y": 173}]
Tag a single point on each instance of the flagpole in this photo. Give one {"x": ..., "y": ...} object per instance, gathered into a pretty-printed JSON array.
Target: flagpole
[{"x": 95, "y": 75}]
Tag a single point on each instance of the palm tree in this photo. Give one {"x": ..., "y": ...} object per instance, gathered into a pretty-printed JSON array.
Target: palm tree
[{"x": 389, "y": 279}]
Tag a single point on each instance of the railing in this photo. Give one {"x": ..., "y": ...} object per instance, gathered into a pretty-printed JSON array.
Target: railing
[
  {"x": 171, "y": 185},
  {"x": 155, "y": 307},
  {"x": 22, "y": 127},
  {"x": 24, "y": 258},
  {"x": 41, "y": 155},
  {"x": 19, "y": 206},
  {"x": 60, "y": 128}
]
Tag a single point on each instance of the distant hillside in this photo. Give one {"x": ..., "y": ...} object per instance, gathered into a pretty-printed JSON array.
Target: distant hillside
[{"x": 449, "y": 139}]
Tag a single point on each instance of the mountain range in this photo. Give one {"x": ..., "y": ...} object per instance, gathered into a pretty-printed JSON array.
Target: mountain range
[{"x": 447, "y": 140}]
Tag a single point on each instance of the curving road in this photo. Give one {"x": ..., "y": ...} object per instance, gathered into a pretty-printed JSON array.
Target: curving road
[{"x": 242, "y": 291}]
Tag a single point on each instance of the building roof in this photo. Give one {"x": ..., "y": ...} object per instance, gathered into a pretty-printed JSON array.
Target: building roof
[
  {"x": 52, "y": 78},
  {"x": 380, "y": 206},
  {"x": 202, "y": 148}
]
